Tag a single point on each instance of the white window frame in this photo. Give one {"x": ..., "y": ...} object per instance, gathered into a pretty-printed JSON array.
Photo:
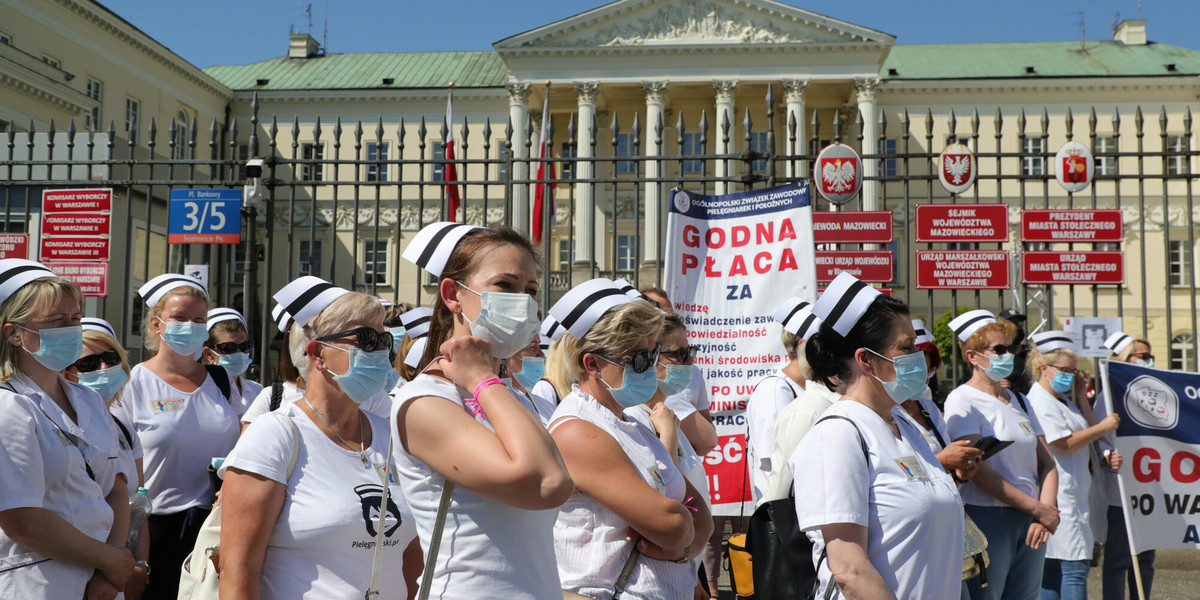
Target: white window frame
[
  {"x": 133, "y": 118},
  {"x": 566, "y": 254},
  {"x": 1183, "y": 352},
  {"x": 1177, "y": 161},
  {"x": 303, "y": 254},
  {"x": 183, "y": 122},
  {"x": 1105, "y": 165},
  {"x": 627, "y": 254},
  {"x": 52, "y": 61},
  {"x": 1181, "y": 264},
  {"x": 691, "y": 146},
  {"x": 5, "y": 37},
  {"x": 624, "y": 148},
  {"x": 503, "y": 156},
  {"x": 438, "y": 171},
  {"x": 1033, "y": 161},
  {"x": 95, "y": 91},
  {"x": 312, "y": 151},
  {"x": 378, "y": 152},
  {"x": 758, "y": 143},
  {"x": 566, "y": 168},
  {"x": 387, "y": 262},
  {"x": 888, "y": 167}
]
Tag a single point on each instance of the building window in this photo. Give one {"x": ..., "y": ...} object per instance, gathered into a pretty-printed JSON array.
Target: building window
[
  {"x": 625, "y": 143},
  {"x": 5, "y": 38},
  {"x": 316, "y": 170},
  {"x": 133, "y": 119},
  {"x": 758, "y": 143},
  {"x": 377, "y": 153},
  {"x": 16, "y": 223},
  {"x": 505, "y": 156},
  {"x": 566, "y": 253},
  {"x": 1177, "y": 162},
  {"x": 95, "y": 91},
  {"x": 1183, "y": 352},
  {"x": 627, "y": 252},
  {"x": 50, "y": 60},
  {"x": 241, "y": 155},
  {"x": 182, "y": 124},
  {"x": 1105, "y": 165},
  {"x": 439, "y": 169},
  {"x": 309, "y": 262},
  {"x": 888, "y": 167},
  {"x": 1033, "y": 163},
  {"x": 374, "y": 266},
  {"x": 815, "y": 146},
  {"x": 1180, "y": 267},
  {"x": 566, "y": 168},
  {"x": 691, "y": 146}
]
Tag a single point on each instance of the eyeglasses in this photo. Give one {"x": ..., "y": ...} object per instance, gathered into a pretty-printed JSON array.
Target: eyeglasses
[
  {"x": 368, "y": 339},
  {"x": 1143, "y": 355},
  {"x": 231, "y": 347},
  {"x": 91, "y": 363},
  {"x": 683, "y": 356},
  {"x": 1064, "y": 370},
  {"x": 640, "y": 361},
  {"x": 1001, "y": 349}
]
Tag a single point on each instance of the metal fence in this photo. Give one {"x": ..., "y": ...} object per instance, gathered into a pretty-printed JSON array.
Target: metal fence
[{"x": 340, "y": 197}]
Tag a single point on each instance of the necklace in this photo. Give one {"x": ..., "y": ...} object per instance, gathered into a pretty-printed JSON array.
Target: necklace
[{"x": 362, "y": 445}]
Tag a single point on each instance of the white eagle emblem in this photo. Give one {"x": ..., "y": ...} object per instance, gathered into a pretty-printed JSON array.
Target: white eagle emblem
[
  {"x": 958, "y": 167},
  {"x": 838, "y": 175}
]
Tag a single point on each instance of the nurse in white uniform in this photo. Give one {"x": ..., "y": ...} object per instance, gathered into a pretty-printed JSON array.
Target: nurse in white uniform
[
  {"x": 229, "y": 345},
  {"x": 311, "y": 533},
  {"x": 1070, "y": 428},
  {"x": 869, "y": 490},
  {"x": 64, "y": 510}
]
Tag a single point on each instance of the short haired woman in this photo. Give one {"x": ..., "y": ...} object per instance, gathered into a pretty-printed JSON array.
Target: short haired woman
[{"x": 229, "y": 345}]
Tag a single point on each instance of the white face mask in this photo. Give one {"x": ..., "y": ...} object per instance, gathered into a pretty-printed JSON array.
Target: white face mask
[{"x": 507, "y": 321}]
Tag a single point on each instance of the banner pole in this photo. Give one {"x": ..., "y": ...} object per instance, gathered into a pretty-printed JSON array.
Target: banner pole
[{"x": 1125, "y": 512}]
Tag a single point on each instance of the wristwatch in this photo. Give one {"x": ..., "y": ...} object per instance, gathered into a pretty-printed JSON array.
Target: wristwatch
[{"x": 142, "y": 563}]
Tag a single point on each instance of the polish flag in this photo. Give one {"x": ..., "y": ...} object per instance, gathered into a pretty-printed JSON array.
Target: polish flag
[
  {"x": 449, "y": 170},
  {"x": 543, "y": 195}
]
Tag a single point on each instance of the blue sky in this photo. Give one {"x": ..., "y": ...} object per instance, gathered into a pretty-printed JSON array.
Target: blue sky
[{"x": 214, "y": 32}]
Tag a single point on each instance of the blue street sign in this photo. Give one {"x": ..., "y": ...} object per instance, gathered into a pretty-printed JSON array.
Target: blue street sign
[{"x": 207, "y": 216}]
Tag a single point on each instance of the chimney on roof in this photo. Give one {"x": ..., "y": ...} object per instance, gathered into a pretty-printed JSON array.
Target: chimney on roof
[
  {"x": 302, "y": 45},
  {"x": 1131, "y": 32}
]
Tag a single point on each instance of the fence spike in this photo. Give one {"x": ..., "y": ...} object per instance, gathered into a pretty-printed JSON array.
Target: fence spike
[
  {"x": 815, "y": 125},
  {"x": 837, "y": 126},
  {"x": 704, "y": 127},
  {"x": 71, "y": 135},
  {"x": 1187, "y": 122},
  {"x": 658, "y": 131},
  {"x": 770, "y": 98},
  {"x": 1092, "y": 122},
  {"x": 615, "y": 128},
  {"x": 595, "y": 129},
  {"x": 422, "y": 131},
  {"x": 747, "y": 126},
  {"x": 1021, "y": 124},
  {"x": 572, "y": 128},
  {"x": 679, "y": 129},
  {"x": 1070, "y": 124},
  {"x": 273, "y": 131},
  {"x": 1045, "y": 122},
  {"x": 337, "y": 135},
  {"x": 953, "y": 125},
  {"x": 400, "y": 132},
  {"x": 213, "y": 132},
  {"x": 528, "y": 133},
  {"x": 487, "y": 134},
  {"x": 905, "y": 121},
  {"x": 358, "y": 131},
  {"x": 725, "y": 127},
  {"x": 975, "y": 123},
  {"x": 929, "y": 124},
  {"x": 791, "y": 125},
  {"x": 317, "y": 130},
  {"x": 112, "y": 135},
  {"x": 1139, "y": 122},
  {"x": 998, "y": 121},
  {"x": 12, "y": 139},
  {"x": 171, "y": 138},
  {"x": 550, "y": 128},
  {"x": 508, "y": 132},
  {"x": 379, "y": 130},
  {"x": 153, "y": 134},
  {"x": 465, "y": 134},
  {"x": 1116, "y": 121},
  {"x": 192, "y": 129},
  {"x": 882, "y": 123},
  {"x": 295, "y": 133},
  {"x": 1162, "y": 120},
  {"x": 637, "y": 130}
]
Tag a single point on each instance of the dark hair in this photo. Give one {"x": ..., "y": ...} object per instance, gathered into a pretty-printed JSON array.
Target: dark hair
[
  {"x": 463, "y": 261},
  {"x": 829, "y": 353},
  {"x": 287, "y": 370}
]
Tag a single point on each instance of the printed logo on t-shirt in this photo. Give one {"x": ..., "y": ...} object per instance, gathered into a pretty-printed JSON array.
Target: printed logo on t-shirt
[
  {"x": 1027, "y": 428},
  {"x": 657, "y": 479},
  {"x": 380, "y": 469},
  {"x": 912, "y": 468},
  {"x": 167, "y": 405},
  {"x": 371, "y": 496}
]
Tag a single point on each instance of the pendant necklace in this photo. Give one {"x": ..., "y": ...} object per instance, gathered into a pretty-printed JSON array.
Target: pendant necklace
[{"x": 363, "y": 445}]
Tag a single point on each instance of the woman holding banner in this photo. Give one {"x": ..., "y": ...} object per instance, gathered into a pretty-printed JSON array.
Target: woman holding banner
[{"x": 1117, "y": 570}]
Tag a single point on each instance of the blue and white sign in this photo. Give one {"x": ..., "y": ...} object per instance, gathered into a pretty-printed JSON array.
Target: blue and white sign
[{"x": 206, "y": 216}]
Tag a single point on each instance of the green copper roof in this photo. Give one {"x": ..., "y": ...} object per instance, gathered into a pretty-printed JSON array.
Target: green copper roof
[
  {"x": 1048, "y": 59},
  {"x": 367, "y": 71}
]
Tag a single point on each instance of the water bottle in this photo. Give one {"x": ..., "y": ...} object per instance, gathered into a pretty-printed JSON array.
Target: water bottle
[{"x": 139, "y": 510}]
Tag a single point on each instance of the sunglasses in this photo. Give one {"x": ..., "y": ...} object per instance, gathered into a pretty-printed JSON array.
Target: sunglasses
[
  {"x": 231, "y": 347},
  {"x": 641, "y": 360},
  {"x": 91, "y": 363},
  {"x": 1001, "y": 349},
  {"x": 368, "y": 339},
  {"x": 683, "y": 356},
  {"x": 1143, "y": 356},
  {"x": 1064, "y": 370}
]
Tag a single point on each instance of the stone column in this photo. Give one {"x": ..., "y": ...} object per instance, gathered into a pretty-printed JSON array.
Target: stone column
[
  {"x": 584, "y": 213},
  {"x": 725, "y": 110},
  {"x": 866, "y": 105},
  {"x": 793, "y": 94},
  {"x": 518, "y": 115},
  {"x": 656, "y": 94}
]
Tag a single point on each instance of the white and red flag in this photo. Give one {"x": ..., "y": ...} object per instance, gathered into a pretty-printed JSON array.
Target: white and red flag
[
  {"x": 543, "y": 195},
  {"x": 450, "y": 171}
]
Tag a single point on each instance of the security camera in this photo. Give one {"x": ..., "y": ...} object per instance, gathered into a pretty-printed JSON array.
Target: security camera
[
  {"x": 254, "y": 168},
  {"x": 252, "y": 192}
]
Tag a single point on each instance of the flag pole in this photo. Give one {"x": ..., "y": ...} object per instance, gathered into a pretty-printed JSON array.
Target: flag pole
[
  {"x": 1125, "y": 509},
  {"x": 546, "y": 202}
]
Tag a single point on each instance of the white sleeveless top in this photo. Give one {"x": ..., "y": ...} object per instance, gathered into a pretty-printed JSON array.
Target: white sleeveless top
[
  {"x": 488, "y": 549},
  {"x": 589, "y": 538}
]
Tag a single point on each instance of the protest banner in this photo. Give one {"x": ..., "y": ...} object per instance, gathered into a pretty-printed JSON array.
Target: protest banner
[
  {"x": 731, "y": 260},
  {"x": 1159, "y": 437}
]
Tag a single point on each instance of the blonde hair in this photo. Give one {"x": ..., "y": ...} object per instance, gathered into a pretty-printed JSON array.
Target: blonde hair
[
  {"x": 347, "y": 308},
  {"x": 556, "y": 372},
  {"x": 978, "y": 340},
  {"x": 1037, "y": 360},
  {"x": 617, "y": 333},
  {"x": 33, "y": 299},
  {"x": 150, "y": 339},
  {"x": 405, "y": 371},
  {"x": 101, "y": 339},
  {"x": 1128, "y": 350}
]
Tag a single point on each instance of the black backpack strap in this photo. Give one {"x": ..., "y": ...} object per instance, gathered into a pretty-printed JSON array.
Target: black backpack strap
[
  {"x": 276, "y": 395},
  {"x": 1021, "y": 401},
  {"x": 124, "y": 431},
  {"x": 221, "y": 377}
]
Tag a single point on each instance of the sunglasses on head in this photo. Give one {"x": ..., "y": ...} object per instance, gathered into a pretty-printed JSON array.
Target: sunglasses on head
[
  {"x": 231, "y": 347},
  {"x": 683, "y": 356},
  {"x": 641, "y": 360},
  {"x": 368, "y": 339},
  {"x": 91, "y": 363},
  {"x": 1001, "y": 349}
]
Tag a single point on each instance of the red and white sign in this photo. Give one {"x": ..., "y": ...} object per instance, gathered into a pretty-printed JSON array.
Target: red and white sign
[
  {"x": 838, "y": 173},
  {"x": 963, "y": 270},
  {"x": 1074, "y": 166},
  {"x": 91, "y": 277},
  {"x": 1045, "y": 267},
  {"x": 953, "y": 223},
  {"x": 14, "y": 245},
  {"x": 93, "y": 200},
  {"x": 1072, "y": 225},
  {"x": 871, "y": 266},
  {"x": 74, "y": 248},
  {"x": 957, "y": 171},
  {"x": 76, "y": 224},
  {"x": 853, "y": 227}
]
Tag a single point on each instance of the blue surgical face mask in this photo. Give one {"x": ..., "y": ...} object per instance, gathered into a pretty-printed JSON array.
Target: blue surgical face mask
[
  {"x": 678, "y": 378},
  {"x": 532, "y": 369},
  {"x": 185, "y": 337},
  {"x": 1149, "y": 364},
  {"x": 106, "y": 382},
  {"x": 367, "y": 375},
  {"x": 1062, "y": 382},
  {"x": 235, "y": 363},
  {"x": 910, "y": 376},
  {"x": 507, "y": 321},
  {"x": 58, "y": 347},
  {"x": 636, "y": 388},
  {"x": 393, "y": 379},
  {"x": 999, "y": 367},
  {"x": 397, "y": 337}
]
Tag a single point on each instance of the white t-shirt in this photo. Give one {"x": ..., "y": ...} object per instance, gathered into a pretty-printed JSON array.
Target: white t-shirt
[
  {"x": 694, "y": 398},
  {"x": 261, "y": 404},
  {"x": 488, "y": 549},
  {"x": 790, "y": 426},
  {"x": 770, "y": 396},
  {"x": 589, "y": 538},
  {"x": 1059, "y": 419},
  {"x": 970, "y": 411},
  {"x": 544, "y": 395},
  {"x": 909, "y": 505},
  {"x": 180, "y": 433},
  {"x": 323, "y": 543},
  {"x": 690, "y": 463},
  {"x": 42, "y": 468},
  {"x": 249, "y": 391}
]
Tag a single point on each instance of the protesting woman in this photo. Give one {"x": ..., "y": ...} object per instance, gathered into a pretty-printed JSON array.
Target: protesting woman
[{"x": 1117, "y": 570}]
